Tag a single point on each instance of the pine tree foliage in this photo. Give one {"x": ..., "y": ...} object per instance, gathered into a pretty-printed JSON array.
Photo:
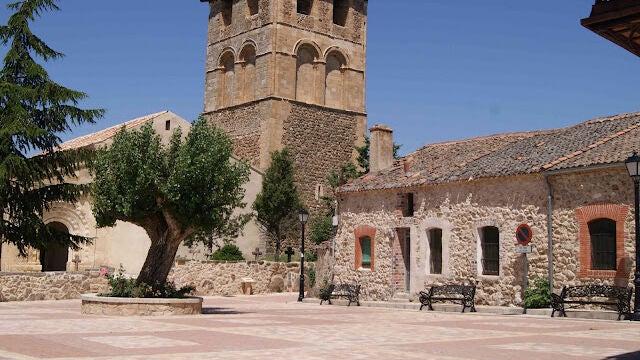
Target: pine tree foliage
[
  {"x": 172, "y": 192},
  {"x": 34, "y": 111},
  {"x": 278, "y": 202}
]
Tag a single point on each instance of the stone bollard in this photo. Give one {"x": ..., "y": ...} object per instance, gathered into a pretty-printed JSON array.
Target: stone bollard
[{"x": 247, "y": 285}]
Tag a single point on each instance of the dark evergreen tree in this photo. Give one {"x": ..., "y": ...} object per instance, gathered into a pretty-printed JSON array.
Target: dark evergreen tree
[
  {"x": 34, "y": 111},
  {"x": 278, "y": 202}
]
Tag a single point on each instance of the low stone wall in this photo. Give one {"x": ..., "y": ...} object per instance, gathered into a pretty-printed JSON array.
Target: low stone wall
[
  {"x": 99, "y": 305},
  {"x": 209, "y": 278},
  {"x": 226, "y": 277},
  {"x": 49, "y": 285}
]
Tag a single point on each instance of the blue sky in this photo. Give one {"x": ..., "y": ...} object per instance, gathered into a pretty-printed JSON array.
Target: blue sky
[{"x": 436, "y": 70}]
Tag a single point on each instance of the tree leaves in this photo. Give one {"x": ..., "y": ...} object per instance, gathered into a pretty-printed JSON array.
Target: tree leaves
[
  {"x": 33, "y": 112},
  {"x": 174, "y": 191}
]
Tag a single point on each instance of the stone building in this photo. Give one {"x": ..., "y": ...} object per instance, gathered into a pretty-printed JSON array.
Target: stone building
[
  {"x": 289, "y": 73},
  {"x": 448, "y": 212}
]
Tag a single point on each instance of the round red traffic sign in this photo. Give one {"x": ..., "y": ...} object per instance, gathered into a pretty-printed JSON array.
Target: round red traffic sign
[{"x": 524, "y": 234}]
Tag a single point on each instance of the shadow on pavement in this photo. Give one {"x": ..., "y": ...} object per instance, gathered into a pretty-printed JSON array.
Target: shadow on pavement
[
  {"x": 627, "y": 356},
  {"x": 221, "y": 311}
]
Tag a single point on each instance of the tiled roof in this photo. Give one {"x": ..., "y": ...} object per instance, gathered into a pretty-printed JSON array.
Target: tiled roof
[
  {"x": 103, "y": 135},
  {"x": 600, "y": 141}
]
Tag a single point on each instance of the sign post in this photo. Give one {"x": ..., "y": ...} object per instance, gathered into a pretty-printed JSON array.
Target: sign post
[{"x": 523, "y": 237}]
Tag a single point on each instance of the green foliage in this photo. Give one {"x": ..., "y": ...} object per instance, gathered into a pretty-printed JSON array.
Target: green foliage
[
  {"x": 311, "y": 256},
  {"x": 538, "y": 295},
  {"x": 321, "y": 229},
  {"x": 34, "y": 111},
  {"x": 278, "y": 202},
  {"x": 312, "y": 276},
  {"x": 172, "y": 192},
  {"x": 123, "y": 286},
  {"x": 325, "y": 291},
  {"x": 228, "y": 252}
]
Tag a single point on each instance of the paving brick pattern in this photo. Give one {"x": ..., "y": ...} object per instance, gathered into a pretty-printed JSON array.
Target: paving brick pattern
[{"x": 278, "y": 327}]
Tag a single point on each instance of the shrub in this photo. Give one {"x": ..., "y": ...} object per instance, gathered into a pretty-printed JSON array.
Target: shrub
[
  {"x": 538, "y": 295},
  {"x": 228, "y": 252},
  {"x": 123, "y": 286},
  {"x": 312, "y": 276},
  {"x": 321, "y": 229},
  {"x": 325, "y": 291}
]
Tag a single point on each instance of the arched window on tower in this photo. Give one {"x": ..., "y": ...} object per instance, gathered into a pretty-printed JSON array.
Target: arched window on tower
[
  {"x": 305, "y": 73},
  {"x": 334, "y": 81},
  {"x": 226, "y": 80},
  {"x": 247, "y": 92},
  {"x": 340, "y": 12}
]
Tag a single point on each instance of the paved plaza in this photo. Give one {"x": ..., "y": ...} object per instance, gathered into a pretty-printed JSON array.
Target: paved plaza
[{"x": 278, "y": 327}]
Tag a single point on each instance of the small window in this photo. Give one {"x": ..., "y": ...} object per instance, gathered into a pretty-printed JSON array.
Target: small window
[
  {"x": 435, "y": 251},
  {"x": 407, "y": 205},
  {"x": 167, "y": 125},
  {"x": 365, "y": 246},
  {"x": 227, "y": 12},
  {"x": 340, "y": 12},
  {"x": 304, "y": 7},
  {"x": 319, "y": 191},
  {"x": 253, "y": 7},
  {"x": 490, "y": 241},
  {"x": 603, "y": 244}
]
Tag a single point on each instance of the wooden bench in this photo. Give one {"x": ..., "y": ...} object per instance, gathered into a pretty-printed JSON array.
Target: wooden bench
[
  {"x": 349, "y": 291},
  {"x": 605, "y": 295},
  {"x": 462, "y": 294}
]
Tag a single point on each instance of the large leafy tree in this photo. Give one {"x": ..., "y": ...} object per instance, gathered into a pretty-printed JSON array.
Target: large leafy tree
[
  {"x": 278, "y": 202},
  {"x": 34, "y": 111},
  {"x": 172, "y": 192}
]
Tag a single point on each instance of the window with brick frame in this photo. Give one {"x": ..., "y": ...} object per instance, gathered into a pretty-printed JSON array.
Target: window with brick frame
[
  {"x": 364, "y": 247},
  {"x": 599, "y": 220},
  {"x": 603, "y": 244},
  {"x": 405, "y": 204},
  {"x": 490, "y": 247},
  {"x": 304, "y": 7}
]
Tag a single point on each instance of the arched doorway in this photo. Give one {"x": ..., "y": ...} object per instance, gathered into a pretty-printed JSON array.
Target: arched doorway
[{"x": 55, "y": 256}]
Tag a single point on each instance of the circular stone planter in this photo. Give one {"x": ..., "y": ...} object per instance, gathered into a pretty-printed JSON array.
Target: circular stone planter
[{"x": 104, "y": 305}]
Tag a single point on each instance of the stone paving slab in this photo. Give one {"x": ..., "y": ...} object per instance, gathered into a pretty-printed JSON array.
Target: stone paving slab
[{"x": 278, "y": 327}]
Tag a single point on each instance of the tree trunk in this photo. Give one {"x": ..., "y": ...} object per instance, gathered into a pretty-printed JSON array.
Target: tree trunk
[
  {"x": 278, "y": 244},
  {"x": 165, "y": 241}
]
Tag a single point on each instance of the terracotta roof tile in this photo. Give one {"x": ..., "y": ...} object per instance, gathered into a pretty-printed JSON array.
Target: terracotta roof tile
[
  {"x": 598, "y": 141},
  {"x": 103, "y": 135}
]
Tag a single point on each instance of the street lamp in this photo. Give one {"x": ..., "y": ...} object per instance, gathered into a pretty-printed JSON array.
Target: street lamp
[
  {"x": 633, "y": 167},
  {"x": 304, "y": 216}
]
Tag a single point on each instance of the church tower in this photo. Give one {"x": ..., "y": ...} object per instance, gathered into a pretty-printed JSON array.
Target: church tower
[{"x": 289, "y": 73}]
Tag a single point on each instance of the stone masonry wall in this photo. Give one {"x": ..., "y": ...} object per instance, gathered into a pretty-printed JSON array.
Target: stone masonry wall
[
  {"x": 243, "y": 124},
  {"x": 209, "y": 278},
  {"x": 49, "y": 285},
  {"x": 320, "y": 140},
  {"x": 225, "y": 278},
  {"x": 460, "y": 210}
]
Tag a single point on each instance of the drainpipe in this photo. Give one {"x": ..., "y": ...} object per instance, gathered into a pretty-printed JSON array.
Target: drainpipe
[{"x": 549, "y": 228}]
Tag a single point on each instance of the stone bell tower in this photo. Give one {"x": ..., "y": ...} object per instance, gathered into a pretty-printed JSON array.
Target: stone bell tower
[{"x": 289, "y": 73}]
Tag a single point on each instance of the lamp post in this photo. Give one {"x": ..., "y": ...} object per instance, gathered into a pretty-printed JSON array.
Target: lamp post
[
  {"x": 304, "y": 216},
  {"x": 633, "y": 167}
]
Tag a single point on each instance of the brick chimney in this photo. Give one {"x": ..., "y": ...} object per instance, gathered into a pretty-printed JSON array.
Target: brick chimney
[{"x": 381, "y": 150}]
